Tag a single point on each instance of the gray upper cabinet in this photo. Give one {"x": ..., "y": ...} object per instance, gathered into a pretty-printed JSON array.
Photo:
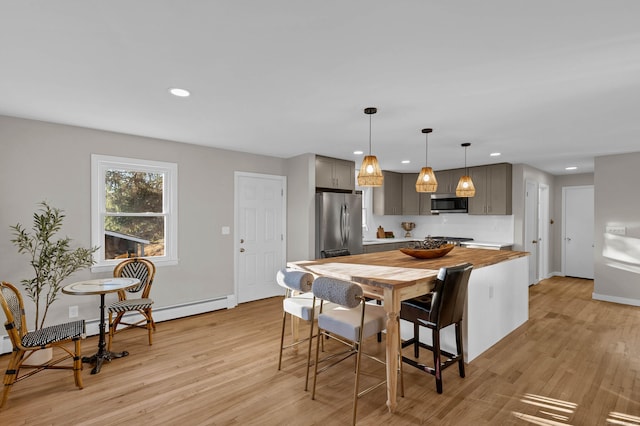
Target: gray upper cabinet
[
  {"x": 398, "y": 194},
  {"x": 448, "y": 180},
  {"x": 335, "y": 173},
  {"x": 414, "y": 203},
  {"x": 410, "y": 198},
  {"x": 493, "y": 189},
  {"x": 387, "y": 199}
]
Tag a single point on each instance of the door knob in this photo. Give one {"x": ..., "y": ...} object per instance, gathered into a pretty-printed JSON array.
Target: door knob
[
  {"x": 241, "y": 250},
  {"x": 534, "y": 242},
  {"x": 241, "y": 240}
]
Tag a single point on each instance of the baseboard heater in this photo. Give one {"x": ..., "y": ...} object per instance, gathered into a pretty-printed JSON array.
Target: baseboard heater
[{"x": 164, "y": 313}]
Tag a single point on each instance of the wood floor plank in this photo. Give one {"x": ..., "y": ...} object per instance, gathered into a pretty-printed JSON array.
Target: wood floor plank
[{"x": 576, "y": 361}]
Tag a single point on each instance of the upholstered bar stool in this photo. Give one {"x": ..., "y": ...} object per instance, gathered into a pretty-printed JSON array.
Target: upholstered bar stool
[
  {"x": 351, "y": 323},
  {"x": 300, "y": 303},
  {"x": 443, "y": 307}
]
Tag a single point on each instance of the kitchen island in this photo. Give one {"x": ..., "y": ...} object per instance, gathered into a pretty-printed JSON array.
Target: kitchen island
[{"x": 497, "y": 298}]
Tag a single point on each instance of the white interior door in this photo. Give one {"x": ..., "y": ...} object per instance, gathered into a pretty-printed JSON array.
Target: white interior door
[
  {"x": 531, "y": 229},
  {"x": 543, "y": 231},
  {"x": 260, "y": 237},
  {"x": 578, "y": 236}
]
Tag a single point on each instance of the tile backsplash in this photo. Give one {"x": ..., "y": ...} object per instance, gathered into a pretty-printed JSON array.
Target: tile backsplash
[{"x": 480, "y": 228}]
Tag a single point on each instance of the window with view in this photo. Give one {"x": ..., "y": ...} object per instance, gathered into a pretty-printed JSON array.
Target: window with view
[{"x": 133, "y": 209}]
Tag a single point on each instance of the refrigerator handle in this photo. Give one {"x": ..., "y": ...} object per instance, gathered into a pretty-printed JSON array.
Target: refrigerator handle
[
  {"x": 347, "y": 226},
  {"x": 342, "y": 215}
]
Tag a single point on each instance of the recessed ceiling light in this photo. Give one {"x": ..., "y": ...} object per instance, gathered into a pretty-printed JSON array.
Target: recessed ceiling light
[
  {"x": 358, "y": 152},
  {"x": 406, "y": 161},
  {"x": 182, "y": 93},
  {"x": 571, "y": 168},
  {"x": 495, "y": 154}
]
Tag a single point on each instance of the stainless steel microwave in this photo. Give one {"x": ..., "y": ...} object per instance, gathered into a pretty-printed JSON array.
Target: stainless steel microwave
[{"x": 449, "y": 203}]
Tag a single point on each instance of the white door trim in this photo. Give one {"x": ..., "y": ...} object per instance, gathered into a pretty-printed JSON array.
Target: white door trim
[
  {"x": 543, "y": 231},
  {"x": 531, "y": 232}
]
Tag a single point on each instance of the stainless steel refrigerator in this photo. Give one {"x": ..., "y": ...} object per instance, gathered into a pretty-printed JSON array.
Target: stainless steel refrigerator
[{"x": 338, "y": 223}]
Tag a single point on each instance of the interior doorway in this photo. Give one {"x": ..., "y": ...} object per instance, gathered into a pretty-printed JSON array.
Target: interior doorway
[
  {"x": 577, "y": 231},
  {"x": 543, "y": 231},
  {"x": 260, "y": 225},
  {"x": 536, "y": 231}
]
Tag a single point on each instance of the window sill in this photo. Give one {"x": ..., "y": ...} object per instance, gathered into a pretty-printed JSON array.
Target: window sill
[{"x": 108, "y": 267}]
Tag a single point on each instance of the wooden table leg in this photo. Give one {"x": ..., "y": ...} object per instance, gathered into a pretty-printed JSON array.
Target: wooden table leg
[{"x": 392, "y": 307}]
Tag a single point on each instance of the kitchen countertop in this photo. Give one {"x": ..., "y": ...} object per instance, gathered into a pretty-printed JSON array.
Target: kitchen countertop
[
  {"x": 395, "y": 259},
  {"x": 371, "y": 241},
  {"x": 488, "y": 244}
]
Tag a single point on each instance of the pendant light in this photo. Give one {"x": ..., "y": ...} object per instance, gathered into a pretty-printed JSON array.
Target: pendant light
[
  {"x": 465, "y": 186},
  {"x": 370, "y": 173},
  {"x": 427, "y": 179}
]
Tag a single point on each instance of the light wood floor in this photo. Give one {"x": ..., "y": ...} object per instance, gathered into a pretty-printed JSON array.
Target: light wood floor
[{"x": 576, "y": 361}]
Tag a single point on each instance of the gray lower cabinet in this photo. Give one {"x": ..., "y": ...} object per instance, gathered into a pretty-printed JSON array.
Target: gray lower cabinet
[
  {"x": 375, "y": 248},
  {"x": 493, "y": 189}
]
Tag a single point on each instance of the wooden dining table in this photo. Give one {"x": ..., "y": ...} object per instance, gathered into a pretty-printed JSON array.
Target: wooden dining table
[{"x": 392, "y": 277}]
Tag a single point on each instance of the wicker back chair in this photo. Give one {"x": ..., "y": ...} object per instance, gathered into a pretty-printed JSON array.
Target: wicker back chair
[
  {"x": 145, "y": 271},
  {"x": 25, "y": 343}
]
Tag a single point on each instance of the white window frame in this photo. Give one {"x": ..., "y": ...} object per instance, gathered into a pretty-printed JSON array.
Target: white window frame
[{"x": 99, "y": 165}]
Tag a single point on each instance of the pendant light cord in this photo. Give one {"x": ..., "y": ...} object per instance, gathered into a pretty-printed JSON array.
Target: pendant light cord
[
  {"x": 426, "y": 149},
  {"x": 370, "y": 134},
  {"x": 466, "y": 145}
]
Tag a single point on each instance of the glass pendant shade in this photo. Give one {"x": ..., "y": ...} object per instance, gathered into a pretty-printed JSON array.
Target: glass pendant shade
[
  {"x": 426, "y": 181},
  {"x": 370, "y": 173},
  {"x": 465, "y": 187}
]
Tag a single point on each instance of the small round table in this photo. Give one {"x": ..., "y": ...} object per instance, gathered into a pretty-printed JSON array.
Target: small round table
[{"x": 101, "y": 286}]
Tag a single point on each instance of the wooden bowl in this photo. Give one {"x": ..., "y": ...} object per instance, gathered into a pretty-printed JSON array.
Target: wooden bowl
[{"x": 428, "y": 253}]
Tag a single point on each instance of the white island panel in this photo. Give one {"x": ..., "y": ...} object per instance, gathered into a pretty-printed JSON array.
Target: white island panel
[{"x": 497, "y": 304}]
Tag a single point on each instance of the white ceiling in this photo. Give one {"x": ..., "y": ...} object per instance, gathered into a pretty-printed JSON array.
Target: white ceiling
[{"x": 548, "y": 83}]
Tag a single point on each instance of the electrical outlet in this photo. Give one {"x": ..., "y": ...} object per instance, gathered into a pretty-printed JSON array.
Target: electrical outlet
[
  {"x": 617, "y": 230},
  {"x": 73, "y": 311}
]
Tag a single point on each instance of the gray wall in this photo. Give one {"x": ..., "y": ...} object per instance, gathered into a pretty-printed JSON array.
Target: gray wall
[
  {"x": 301, "y": 207},
  {"x": 43, "y": 161},
  {"x": 617, "y": 200}
]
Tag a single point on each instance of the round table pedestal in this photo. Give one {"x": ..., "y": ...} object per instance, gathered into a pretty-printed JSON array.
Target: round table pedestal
[{"x": 103, "y": 354}]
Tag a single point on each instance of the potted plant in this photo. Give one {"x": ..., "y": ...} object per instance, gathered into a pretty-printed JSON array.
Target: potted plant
[{"x": 52, "y": 259}]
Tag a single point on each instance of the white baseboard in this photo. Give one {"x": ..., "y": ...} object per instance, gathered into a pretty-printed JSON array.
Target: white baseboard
[
  {"x": 615, "y": 299},
  {"x": 161, "y": 314}
]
